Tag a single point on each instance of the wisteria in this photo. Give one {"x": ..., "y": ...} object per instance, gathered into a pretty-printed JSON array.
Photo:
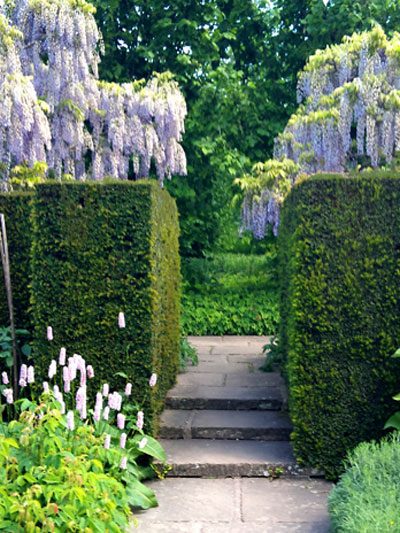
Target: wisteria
[
  {"x": 348, "y": 119},
  {"x": 55, "y": 109}
]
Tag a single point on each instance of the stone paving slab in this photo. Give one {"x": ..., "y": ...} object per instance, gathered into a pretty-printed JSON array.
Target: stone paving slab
[
  {"x": 218, "y": 366},
  {"x": 304, "y": 500},
  {"x": 192, "y": 380},
  {"x": 217, "y": 452},
  {"x": 204, "y": 397},
  {"x": 222, "y": 424},
  {"x": 236, "y": 506},
  {"x": 254, "y": 379},
  {"x": 230, "y": 458}
]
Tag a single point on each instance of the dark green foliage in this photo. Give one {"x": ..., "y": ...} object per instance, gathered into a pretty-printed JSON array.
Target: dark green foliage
[
  {"x": 16, "y": 209},
  {"x": 367, "y": 496},
  {"x": 100, "y": 249},
  {"x": 340, "y": 320},
  {"x": 230, "y": 294}
]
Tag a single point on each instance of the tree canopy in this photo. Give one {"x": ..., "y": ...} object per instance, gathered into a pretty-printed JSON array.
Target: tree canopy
[{"x": 236, "y": 62}]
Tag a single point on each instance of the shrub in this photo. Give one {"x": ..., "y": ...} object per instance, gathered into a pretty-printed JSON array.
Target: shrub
[
  {"x": 340, "y": 294},
  {"x": 76, "y": 471},
  {"x": 366, "y": 498},
  {"x": 229, "y": 294},
  {"x": 16, "y": 209},
  {"x": 99, "y": 249}
]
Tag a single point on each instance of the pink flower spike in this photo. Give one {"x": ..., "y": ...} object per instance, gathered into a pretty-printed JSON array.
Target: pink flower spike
[
  {"x": 97, "y": 414},
  {"x": 62, "y": 408},
  {"x": 107, "y": 442},
  {"x": 123, "y": 463},
  {"x": 121, "y": 320},
  {"x": 4, "y": 377},
  {"x": 70, "y": 420},
  {"x": 153, "y": 380},
  {"x": 22, "y": 383},
  {"x": 56, "y": 391},
  {"x": 106, "y": 413},
  {"x": 120, "y": 421},
  {"x": 140, "y": 420},
  {"x": 31, "y": 374},
  {"x": 106, "y": 389},
  {"x": 122, "y": 440},
  {"x": 90, "y": 371},
  {"x": 23, "y": 372},
  {"x": 128, "y": 389},
  {"x": 99, "y": 400},
  {"x": 49, "y": 333},
  {"x": 66, "y": 374},
  {"x": 46, "y": 388},
  {"x": 84, "y": 412},
  {"x": 118, "y": 401},
  {"x": 71, "y": 368},
  {"x": 67, "y": 386},
  {"x": 52, "y": 369},
  {"x": 63, "y": 353},
  {"x": 142, "y": 443},
  {"x": 9, "y": 395},
  {"x": 83, "y": 378}
]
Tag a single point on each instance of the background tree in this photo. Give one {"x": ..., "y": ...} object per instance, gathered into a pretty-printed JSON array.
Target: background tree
[{"x": 236, "y": 62}]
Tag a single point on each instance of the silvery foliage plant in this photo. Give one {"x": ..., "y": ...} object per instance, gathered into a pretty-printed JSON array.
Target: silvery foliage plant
[{"x": 55, "y": 109}]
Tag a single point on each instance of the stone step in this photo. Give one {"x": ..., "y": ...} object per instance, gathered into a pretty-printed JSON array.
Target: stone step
[
  {"x": 231, "y": 458},
  {"x": 222, "y": 424},
  {"x": 225, "y": 398}
]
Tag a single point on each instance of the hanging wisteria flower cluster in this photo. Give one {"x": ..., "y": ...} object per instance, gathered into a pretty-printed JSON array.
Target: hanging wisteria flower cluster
[
  {"x": 350, "y": 106},
  {"x": 55, "y": 109},
  {"x": 348, "y": 118}
]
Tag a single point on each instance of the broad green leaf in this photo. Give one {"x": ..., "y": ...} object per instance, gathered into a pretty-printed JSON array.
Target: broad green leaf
[
  {"x": 152, "y": 447},
  {"x": 397, "y": 397},
  {"x": 393, "y": 422},
  {"x": 26, "y": 350},
  {"x": 396, "y": 353},
  {"x": 140, "y": 496}
]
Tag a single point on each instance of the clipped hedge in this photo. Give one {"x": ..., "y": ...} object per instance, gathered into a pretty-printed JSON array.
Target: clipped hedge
[
  {"x": 16, "y": 208},
  {"x": 102, "y": 248},
  {"x": 340, "y": 311}
]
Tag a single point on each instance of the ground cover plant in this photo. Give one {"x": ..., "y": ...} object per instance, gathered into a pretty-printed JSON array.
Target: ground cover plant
[
  {"x": 67, "y": 464},
  {"x": 229, "y": 294},
  {"x": 366, "y": 498}
]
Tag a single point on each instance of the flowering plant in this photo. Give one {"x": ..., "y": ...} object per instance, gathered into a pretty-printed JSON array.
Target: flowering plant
[{"x": 61, "y": 454}]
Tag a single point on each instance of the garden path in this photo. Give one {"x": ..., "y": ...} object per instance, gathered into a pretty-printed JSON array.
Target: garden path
[{"x": 226, "y": 432}]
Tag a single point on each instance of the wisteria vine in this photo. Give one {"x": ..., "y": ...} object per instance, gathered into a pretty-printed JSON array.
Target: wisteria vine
[
  {"x": 55, "y": 109},
  {"x": 348, "y": 119}
]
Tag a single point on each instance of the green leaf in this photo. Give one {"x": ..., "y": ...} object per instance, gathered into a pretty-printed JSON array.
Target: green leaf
[
  {"x": 397, "y": 397},
  {"x": 393, "y": 422},
  {"x": 140, "y": 496},
  {"x": 152, "y": 447},
  {"x": 396, "y": 353},
  {"x": 26, "y": 350}
]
